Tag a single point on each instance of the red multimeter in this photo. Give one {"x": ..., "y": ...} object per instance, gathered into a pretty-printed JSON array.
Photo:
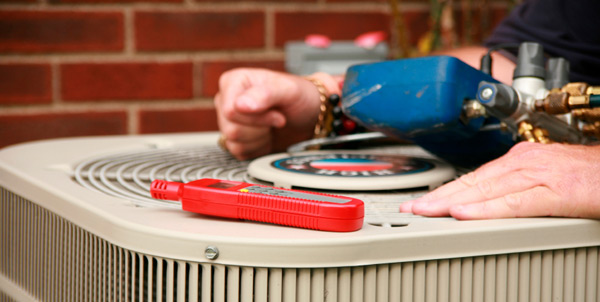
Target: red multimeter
[{"x": 241, "y": 200}]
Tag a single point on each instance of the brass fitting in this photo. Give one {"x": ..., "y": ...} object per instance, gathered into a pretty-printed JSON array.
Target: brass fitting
[
  {"x": 575, "y": 88},
  {"x": 588, "y": 115},
  {"x": 526, "y": 132},
  {"x": 570, "y": 97},
  {"x": 541, "y": 135},
  {"x": 556, "y": 102},
  {"x": 579, "y": 102},
  {"x": 592, "y": 129},
  {"x": 533, "y": 134},
  {"x": 473, "y": 109},
  {"x": 593, "y": 90}
]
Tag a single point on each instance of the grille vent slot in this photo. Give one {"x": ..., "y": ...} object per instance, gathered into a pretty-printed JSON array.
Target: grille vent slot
[
  {"x": 54, "y": 260},
  {"x": 129, "y": 175}
]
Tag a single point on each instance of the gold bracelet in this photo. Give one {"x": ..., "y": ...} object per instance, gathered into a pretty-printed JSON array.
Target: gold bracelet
[{"x": 324, "y": 122}]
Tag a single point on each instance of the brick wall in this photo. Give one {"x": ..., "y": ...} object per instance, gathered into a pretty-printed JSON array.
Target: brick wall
[{"x": 105, "y": 67}]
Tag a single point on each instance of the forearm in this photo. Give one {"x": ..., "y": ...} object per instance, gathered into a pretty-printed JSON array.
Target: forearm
[{"x": 502, "y": 67}]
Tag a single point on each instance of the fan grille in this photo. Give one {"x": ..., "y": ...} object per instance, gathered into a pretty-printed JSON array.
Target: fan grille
[{"x": 129, "y": 175}]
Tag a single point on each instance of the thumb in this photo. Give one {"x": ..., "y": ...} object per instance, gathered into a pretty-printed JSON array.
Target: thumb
[
  {"x": 257, "y": 104},
  {"x": 256, "y": 99},
  {"x": 284, "y": 92}
]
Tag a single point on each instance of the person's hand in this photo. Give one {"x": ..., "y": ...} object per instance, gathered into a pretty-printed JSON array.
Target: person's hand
[
  {"x": 530, "y": 180},
  {"x": 260, "y": 111}
]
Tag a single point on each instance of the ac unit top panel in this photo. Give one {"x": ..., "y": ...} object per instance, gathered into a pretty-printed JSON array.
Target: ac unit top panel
[{"x": 63, "y": 176}]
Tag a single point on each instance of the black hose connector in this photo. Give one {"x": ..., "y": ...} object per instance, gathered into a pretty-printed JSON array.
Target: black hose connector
[
  {"x": 558, "y": 73},
  {"x": 486, "y": 60},
  {"x": 530, "y": 62}
]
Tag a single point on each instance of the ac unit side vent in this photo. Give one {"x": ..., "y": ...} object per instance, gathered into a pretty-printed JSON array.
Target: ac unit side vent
[{"x": 54, "y": 260}]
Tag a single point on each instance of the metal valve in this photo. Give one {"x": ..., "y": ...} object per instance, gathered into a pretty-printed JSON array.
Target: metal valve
[{"x": 570, "y": 97}]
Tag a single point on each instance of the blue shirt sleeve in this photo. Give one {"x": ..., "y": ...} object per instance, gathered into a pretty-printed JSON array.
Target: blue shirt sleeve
[{"x": 568, "y": 29}]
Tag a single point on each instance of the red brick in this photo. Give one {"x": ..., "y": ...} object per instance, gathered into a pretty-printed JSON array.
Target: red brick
[
  {"x": 25, "y": 84},
  {"x": 64, "y": 31},
  {"x": 338, "y": 26},
  {"x": 211, "y": 71},
  {"x": 482, "y": 23},
  {"x": 126, "y": 81},
  {"x": 20, "y": 128},
  {"x": 184, "y": 31},
  {"x": 417, "y": 25},
  {"x": 183, "y": 120},
  {"x": 278, "y": 1},
  {"x": 400, "y": 3},
  {"x": 373, "y": 1},
  {"x": 497, "y": 15},
  {"x": 114, "y": 1}
]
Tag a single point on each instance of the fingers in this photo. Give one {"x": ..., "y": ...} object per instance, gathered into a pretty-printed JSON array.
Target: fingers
[
  {"x": 256, "y": 90},
  {"x": 248, "y": 150},
  {"x": 254, "y": 144},
  {"x": 494, "y": 169},
  {"x": 531, "y": 180},
  {"x": 499, "y": 177},
  {"x": 514, "y": 172},
  {"x": 246, "y": 135},
  {"x": 242, "y": 99},
  {"x": 255, "y": 100},
  {"x": 245, "y": 111},
  {"x": 469, "y": 189},
  {"x": 535, "y": 202},
  {"x": 260, "y": 111},
  {"x": 240, "y": 86},
  {"x": 243, "y": 141},
  {"x": 252, "y": 100},
  {"x": 477, "y": 182}
]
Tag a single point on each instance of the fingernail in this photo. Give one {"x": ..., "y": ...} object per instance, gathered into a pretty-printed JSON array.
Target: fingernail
[
  {"x": 418, "y": 206},
  {"x": 461, "y": 212},
  {"x": 406, "y": 207}
]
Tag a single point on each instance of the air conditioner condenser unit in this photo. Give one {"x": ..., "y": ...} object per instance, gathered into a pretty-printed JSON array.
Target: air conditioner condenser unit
[{"x": 77, "y": 223}]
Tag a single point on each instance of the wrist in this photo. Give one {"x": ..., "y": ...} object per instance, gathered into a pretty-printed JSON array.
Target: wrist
[
  {"x": 331, "y": 120},
  {"x": 330, "y": 83},
  {"x": 322, "y": 126}
]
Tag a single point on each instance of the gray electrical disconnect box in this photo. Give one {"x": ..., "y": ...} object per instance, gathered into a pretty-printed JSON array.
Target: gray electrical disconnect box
[{"x": 304, "y": 59}]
